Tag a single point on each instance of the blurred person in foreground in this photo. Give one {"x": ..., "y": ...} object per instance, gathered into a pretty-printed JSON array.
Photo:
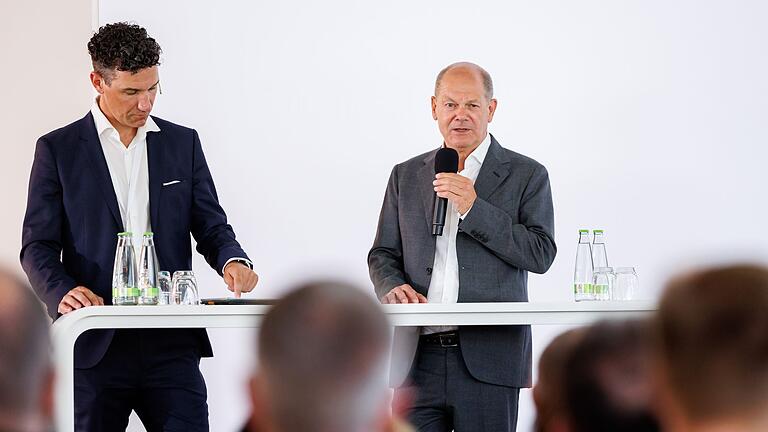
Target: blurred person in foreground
[
  {"x": 608, "y": 379},
  {"x": 322, "y": 354},
  {"x": 549, "y": 391},
  {"x": 712, "y": 344},
  {"x": 26, "y": 371}
]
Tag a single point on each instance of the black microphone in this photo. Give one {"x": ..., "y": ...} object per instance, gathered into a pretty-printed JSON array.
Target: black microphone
[{"x": 446, "y": 161}]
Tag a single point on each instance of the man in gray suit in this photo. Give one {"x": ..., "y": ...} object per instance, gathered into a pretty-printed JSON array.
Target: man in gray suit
[{"x": 499, "y": 226}]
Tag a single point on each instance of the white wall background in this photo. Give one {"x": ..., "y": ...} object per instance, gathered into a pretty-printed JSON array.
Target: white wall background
[
  {"x": 650, "y": 117},
  {"x": 44, "y": 68}
]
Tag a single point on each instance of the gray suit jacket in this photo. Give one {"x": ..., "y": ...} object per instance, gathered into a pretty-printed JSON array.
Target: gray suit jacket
[{"x": 508, "y": 232}]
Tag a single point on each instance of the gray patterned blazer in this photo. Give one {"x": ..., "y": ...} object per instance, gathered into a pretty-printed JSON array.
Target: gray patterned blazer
[{"x": 508, "y": 232}]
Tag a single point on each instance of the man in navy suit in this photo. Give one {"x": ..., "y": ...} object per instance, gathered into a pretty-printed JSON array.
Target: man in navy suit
[{"x": 119, "y": 169}]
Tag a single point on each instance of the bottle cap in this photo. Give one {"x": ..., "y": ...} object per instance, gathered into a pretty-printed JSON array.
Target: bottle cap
[
  {"x": 583, "y": 231},
  {"x": 148, "y": 234},
  {"x": 125, "y": 234},
  {"x": 597, "y": 231}
]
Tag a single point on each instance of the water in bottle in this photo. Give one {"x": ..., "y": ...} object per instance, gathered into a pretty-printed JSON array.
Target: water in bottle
[
  {"x": 149, "y": 291},
  {"x": 599, "y": 254},
  {"x": 582, "y": 275},
  {"x": 124, "y": 287}
]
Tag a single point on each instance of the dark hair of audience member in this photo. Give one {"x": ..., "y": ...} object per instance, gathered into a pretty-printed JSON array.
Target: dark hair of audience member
[
  {"x": 549, "y": 392},
  {"x": 608, "y": 379}
]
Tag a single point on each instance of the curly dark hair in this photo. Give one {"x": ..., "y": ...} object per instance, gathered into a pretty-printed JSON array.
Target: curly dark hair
[{"x": 122, "y": 46}]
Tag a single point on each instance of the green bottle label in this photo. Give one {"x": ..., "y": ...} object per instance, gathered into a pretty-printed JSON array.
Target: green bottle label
[
  {"x": 583, "y": 288},
  {"x": 125, "y": 292},
  {"x": 151, "y": 292},
  {"x": 601, "y": 288}
]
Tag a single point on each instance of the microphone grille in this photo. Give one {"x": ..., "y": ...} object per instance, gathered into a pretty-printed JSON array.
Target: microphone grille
[{"x": 446, "y": 161}]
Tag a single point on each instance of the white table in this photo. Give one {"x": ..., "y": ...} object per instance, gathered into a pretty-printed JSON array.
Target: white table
[{"x": 68, "y": 328}]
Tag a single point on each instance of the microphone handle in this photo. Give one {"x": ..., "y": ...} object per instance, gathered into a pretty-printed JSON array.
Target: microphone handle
[{"x": 438, "y": 218}]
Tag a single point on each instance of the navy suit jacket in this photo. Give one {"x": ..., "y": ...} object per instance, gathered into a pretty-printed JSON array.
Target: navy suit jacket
[{"x": 70, "y": 228}]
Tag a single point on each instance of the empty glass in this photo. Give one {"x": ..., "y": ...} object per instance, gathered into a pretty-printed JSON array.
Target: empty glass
[
  {"x": 626, "y": 285},
  {"x": 165, "y": 285},
  {"x": 185, "y": 288},
  {"x": 602, "y": 283}
]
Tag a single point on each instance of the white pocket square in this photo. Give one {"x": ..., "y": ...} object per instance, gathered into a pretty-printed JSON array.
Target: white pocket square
[{"x": 171, "y": 182}]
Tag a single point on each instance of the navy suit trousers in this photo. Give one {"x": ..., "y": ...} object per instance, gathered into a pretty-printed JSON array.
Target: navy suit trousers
[{"x": 155, "y": 372}]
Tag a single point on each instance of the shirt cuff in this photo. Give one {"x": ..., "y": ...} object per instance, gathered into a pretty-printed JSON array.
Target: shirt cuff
[
  {"x": 462, "y": 216},
  {"x": 238, "y": 259}
]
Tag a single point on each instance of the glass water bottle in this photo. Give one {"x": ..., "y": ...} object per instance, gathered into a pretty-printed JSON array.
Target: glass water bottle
[
  {"x": 582, "y": 275},
  {"x": 149, "y": 291},
  {"x": 124, "y": 288},
  {"x": 599, "y": 254}
]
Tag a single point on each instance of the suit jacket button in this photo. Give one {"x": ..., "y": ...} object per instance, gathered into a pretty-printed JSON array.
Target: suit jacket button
[{"x": 429, "y": 270}]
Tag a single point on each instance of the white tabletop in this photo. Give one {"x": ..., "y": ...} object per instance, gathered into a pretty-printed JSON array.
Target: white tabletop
[{"x": 67, "y": 328}]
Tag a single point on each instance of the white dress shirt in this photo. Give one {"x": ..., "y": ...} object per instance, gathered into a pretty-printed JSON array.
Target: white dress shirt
[
  {"x": 130, "y": 175},
  {"x": 444, "y": 285},
  {"x": 129, "y": 172}
]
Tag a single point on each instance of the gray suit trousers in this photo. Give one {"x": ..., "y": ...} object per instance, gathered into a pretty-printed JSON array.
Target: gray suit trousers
[{"x": 446, "y": 397}]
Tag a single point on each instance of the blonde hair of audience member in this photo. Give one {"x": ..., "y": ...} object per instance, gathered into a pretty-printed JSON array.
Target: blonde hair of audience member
[
  {"x": 26, "y": 371},
  {"x": 549, "y": 392},
  {"x": 322, "y": 352},
  {"x": 712, "y": 351}
]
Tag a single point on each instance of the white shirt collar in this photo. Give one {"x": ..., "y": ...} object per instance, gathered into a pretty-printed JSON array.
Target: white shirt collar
[
  {"x": 478, "y": 154},
  {"x": 103, "y": 125}
]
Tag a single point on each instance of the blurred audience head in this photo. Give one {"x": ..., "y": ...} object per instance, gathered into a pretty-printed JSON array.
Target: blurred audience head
[
  {"x": 609, "y": 379},
  {"x": 549, "y": 391},
  {"x": 596, "y": 378},
  {"x": 712, "y": 350},
  {"x": 26, "y": 372},
  {"x": 322, "y": 354}
]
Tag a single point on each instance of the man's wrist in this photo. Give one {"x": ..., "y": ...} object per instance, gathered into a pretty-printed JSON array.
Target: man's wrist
[
  {"x": 244, "y": 261},
  {"x": 463, "y": 215}
]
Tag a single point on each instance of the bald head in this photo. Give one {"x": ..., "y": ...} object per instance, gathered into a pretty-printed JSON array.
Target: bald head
[
  {"x": 467, "y": 69},
  {"x": 25, "y": 362},
  {"x": 319, "y": 349}
]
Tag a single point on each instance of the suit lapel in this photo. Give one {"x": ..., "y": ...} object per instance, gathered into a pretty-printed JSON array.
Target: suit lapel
[
  {"x": 98, "y": 166},
  {"x": 154, "y": 162},
  {"x": 493, "y": 172},
  {"x": 426, "y": 176}
]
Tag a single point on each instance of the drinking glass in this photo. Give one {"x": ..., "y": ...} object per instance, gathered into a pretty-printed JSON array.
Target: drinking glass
[
  {"x": 185, "y": 288},
  {"x": 602, "y": 283},
  {"x": 627, "y": 284},
  {"x": 165, "y": 285}
]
